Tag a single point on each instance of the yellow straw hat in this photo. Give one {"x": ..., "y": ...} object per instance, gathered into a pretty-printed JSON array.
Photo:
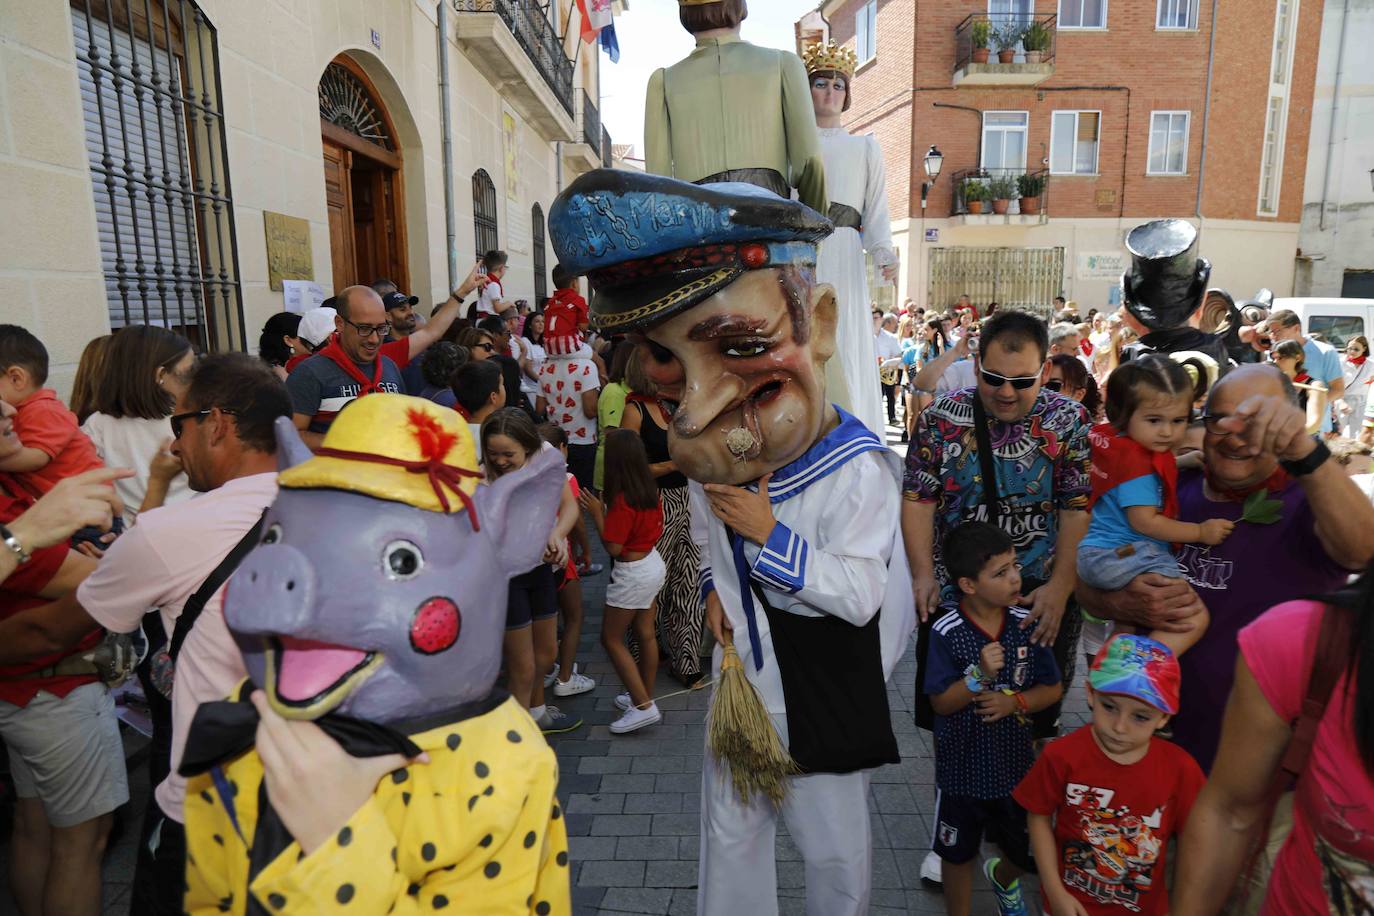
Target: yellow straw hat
[{"x": 398, "y": 448}]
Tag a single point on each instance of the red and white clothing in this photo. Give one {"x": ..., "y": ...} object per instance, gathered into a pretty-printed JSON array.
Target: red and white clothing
[
  {"x": 562, "y": 381},
  {"x": 1112, "y": 821},
  {"x": 490, "y": 299},
  {"x": 563, "y": 316},
  {"x": 1331, "y": 848},
  {"x": 43, "y": 422},
  {"x": 635, "y": 530}
]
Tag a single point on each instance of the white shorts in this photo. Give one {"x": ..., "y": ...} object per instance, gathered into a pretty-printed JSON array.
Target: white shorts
[
  {"x": 66, "y": 752},
  {"x": 635, "y": 585}
]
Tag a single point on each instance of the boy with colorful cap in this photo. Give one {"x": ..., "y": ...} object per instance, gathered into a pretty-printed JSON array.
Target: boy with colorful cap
[
  {"x": 1103, "y": 802},
  {"x": 985, "y": 677}
]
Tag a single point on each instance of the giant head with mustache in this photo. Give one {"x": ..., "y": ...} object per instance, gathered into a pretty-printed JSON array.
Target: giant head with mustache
[{"x": 718, "y": 282}]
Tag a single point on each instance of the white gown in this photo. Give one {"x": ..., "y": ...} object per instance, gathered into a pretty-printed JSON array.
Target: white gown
[{"x": 854, "y": 176}]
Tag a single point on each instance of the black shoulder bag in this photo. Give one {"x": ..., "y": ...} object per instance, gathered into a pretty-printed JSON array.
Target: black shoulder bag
[{"x": 163, "y": 665}]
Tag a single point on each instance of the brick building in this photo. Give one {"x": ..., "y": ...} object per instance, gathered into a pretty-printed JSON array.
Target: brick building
[{"x": 1126, "y": 111}]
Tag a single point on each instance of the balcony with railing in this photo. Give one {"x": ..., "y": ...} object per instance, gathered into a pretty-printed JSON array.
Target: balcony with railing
[
  {"x": 1004, "y": 49},
  {"x": 516, "y": 46},
  {"x": 1000, "y": 197},
  {"x": 584, "y": 153},
  {"x": 607, "y": 151}
]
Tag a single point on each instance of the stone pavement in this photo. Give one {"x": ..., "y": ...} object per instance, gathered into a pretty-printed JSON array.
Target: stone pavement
[{"x": 633, "y": 801}]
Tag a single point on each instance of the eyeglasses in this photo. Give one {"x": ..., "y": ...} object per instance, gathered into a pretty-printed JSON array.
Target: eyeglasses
[
  {"x": 178, "y": 419},
  {"x": 368, "y": 330},
  {"x": 1019, "y": 382},
  {"x": 1055, "y": 384},
  {"x": 485, "y": 346}
]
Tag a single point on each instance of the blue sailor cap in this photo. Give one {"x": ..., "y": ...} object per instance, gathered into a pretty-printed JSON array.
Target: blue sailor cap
[{"x": 653, "y": 246}]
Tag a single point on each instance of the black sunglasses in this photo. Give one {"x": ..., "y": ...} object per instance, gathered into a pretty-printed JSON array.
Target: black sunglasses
[
  {"x": 486, "y": 346},
  {"x": 1055, "y": 384},
  {"x": 1019, "y": 382},
  {"x": 178, "y": 419}
]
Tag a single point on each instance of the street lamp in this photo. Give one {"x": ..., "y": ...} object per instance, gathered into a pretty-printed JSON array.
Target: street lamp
[{"x": 933, "y": 161}]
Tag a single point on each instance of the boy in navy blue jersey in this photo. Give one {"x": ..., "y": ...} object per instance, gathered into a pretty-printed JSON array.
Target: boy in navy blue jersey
[{"x": 985, "y": 678}]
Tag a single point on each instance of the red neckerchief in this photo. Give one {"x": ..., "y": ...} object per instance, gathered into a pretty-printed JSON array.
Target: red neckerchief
[
  {"x": 1087, "y": 346},
  {"x": 463, "y": 412},
  {"x": 1275, "y": 483},
  {"x": 341, "y": 359},
  {"x": 1117, "y": 458},
  {"x": 1357, "y": 360},
  {"x": 1302, "y": 378}
]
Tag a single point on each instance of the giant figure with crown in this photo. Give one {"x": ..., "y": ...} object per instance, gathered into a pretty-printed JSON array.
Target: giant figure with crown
[{"x": 802, "y": 561}]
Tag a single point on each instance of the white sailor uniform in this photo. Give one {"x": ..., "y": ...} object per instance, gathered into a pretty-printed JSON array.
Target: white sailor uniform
[{"x": 833, "y": 561}]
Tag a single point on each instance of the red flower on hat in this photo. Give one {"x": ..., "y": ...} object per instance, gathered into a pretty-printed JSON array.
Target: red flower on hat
[
  {"x": 753, "y": 256},
  {"x": 434, "y": 441}
]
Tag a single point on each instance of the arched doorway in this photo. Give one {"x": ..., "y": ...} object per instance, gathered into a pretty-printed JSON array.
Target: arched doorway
[{"x": 362, "y": 180}]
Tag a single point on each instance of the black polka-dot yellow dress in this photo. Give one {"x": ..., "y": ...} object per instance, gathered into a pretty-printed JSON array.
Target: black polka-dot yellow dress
[{"x": 477, "y": 830}]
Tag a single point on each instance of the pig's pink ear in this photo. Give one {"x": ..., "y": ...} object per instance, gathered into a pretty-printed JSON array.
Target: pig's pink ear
[
  {"x": 291, "y": 448},
  {"x": 518, "y": 511}
]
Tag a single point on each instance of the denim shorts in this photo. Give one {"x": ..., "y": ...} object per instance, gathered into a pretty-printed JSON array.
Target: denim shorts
[{"x": 1107, "y": 569}]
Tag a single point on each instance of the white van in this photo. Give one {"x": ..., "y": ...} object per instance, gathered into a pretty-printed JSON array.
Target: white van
[{"x": 1334, "y": 321}]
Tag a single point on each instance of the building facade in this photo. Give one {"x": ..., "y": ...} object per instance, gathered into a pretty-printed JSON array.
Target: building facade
[
  {"x": 1337, "y": 235},
  {"x": 182, "y": 163},
  {"x": 1112, "y": 113}
]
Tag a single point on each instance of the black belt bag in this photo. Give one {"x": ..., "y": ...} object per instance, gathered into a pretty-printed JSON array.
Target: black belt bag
[
  {"x": 833, "y": 689},
  {"x": 845, "y": 217}
]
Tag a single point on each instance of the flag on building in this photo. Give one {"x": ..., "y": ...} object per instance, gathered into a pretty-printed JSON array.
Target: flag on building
[
  {"x": 596, "y": 15},
  {"x": 610, "y": 44}
]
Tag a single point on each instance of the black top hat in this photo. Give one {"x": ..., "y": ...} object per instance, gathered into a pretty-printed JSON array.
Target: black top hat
[{"x": 1166, "y": 282}]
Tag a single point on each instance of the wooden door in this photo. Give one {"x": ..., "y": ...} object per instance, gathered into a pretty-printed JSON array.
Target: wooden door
[{"x": 338, "y": 194}]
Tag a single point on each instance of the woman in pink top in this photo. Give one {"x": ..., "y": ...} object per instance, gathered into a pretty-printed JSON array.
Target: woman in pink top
[{"x": 1327, "y": 862}]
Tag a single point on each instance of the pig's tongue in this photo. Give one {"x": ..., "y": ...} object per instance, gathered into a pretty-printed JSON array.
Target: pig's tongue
[{"x": 306, "y": 668}]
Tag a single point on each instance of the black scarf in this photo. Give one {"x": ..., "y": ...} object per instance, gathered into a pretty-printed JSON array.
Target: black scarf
[{"x": 223, "y": 730}]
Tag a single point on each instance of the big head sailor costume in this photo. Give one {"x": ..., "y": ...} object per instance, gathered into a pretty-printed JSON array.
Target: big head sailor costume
[
  {"x": 718, "y": 278},
  {"x": 387, "y": 634}
]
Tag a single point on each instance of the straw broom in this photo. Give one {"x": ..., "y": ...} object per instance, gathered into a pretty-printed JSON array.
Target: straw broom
[{"x": 741, "y": 735}]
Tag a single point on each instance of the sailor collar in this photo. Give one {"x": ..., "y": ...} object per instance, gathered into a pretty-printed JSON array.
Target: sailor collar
[{"x": 847, "y": 440}]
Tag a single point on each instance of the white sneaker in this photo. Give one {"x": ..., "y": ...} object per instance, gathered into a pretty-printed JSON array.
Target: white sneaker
[
  {"x": 623, "y": 702},
  {"x": 552, "y": 677},
  {"x": 930, "y": 869},
  {"x": 635, "y": 719},
  {"x": 578, "y": 683}
]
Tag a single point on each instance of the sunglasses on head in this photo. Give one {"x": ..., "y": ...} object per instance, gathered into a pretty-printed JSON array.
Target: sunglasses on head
[{"x": 1019, "y": 382}]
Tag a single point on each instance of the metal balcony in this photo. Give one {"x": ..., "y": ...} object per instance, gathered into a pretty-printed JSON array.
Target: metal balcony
[
  {"x": 515, "y": 46},
  {"x": 1004, "y": 49},
  {"x": 972, "y": 204},
  {"x": 591, "y": 122},
  {"x": 607, "y": 154},
  {"x": 584, "y": 154}
]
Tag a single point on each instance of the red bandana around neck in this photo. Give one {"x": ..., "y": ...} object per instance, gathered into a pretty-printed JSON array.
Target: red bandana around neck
[
  {"x": 1117, "y": 458},
  {"x": 335, "y": 352},
  {"x": 1274, "y": 483},
  {"x": 1357, "y": 360}
]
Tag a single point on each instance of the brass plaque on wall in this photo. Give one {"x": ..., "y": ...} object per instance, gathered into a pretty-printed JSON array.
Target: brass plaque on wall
[{"x": 288, "y": 248}]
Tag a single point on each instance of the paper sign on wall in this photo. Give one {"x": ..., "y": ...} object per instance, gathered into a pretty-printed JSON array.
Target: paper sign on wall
[
  {"x": 288, "y": 248},
  {"x": 1102, "y": 265},
  {"x": 300, "y": 296}
]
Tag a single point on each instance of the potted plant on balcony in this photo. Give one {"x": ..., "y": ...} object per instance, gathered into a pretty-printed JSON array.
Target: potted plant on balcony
[
  {"x": 1008, "y": 37},
  {"x": 1001, "y": 190},
  {"x": 1036, "y": 41},
  {"x": 1030, "y": 187},
  {"x": 975, "y": 191},
  {"x": 981, "y": 34}
]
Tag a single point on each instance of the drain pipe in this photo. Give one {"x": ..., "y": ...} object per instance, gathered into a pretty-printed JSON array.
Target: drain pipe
[
  {"x": 446, "y": 133},
  {"x": 1335, "y": 107},
  {"x": 1206, "y": 120}
]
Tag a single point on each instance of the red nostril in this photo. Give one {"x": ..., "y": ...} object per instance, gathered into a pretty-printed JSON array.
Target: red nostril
[{"x": 435, "y": 626}]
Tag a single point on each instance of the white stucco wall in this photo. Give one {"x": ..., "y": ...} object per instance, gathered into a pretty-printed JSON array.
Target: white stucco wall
[{"x": 1338, "y": 209}]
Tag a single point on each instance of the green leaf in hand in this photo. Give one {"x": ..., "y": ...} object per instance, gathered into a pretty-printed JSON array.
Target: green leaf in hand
[{"x": 1259, "y": 509}]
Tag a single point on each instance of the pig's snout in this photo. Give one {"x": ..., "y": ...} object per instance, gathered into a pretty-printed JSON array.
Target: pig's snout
[{"x": 272, "y": 591}]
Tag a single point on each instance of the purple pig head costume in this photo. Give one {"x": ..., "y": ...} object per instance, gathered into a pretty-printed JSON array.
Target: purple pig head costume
[{"x": 379, "y": 587}]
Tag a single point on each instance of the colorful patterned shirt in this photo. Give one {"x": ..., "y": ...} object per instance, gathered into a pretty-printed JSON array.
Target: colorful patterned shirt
[{"x": 1042, "y": 465}]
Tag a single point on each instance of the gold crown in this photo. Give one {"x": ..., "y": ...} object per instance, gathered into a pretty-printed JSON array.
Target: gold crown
[{"x": 830, "y": 56}]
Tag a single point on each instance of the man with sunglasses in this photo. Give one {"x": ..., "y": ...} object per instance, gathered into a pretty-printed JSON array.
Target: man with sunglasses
[
  {"x": 350, "y": 366},
  {"x": 223, "y": 424}
]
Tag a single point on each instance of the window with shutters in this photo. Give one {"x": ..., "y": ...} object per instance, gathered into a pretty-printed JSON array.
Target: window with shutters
[
  {"x": 541, "y": 273},
  {"x": 484, "y": 212},
  {"x": 1073, "y": 142},
  {"x": 155, "y": 138}
]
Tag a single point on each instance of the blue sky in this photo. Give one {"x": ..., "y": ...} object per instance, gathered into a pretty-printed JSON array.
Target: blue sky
[{"x": 651, "y": 37}]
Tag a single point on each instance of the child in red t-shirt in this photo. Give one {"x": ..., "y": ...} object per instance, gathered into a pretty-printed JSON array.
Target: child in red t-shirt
[
  {"x": 54, "y": 445},
  {"x": 566, "y": 316},
  {"x": 1103, "y": 802},
  {"x": 630, "y": 529}
]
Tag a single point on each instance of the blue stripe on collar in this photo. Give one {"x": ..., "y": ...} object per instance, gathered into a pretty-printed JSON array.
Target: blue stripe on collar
[{"x": 849, "y": 439}]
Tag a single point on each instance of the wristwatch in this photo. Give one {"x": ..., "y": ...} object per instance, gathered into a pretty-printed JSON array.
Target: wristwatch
[
  {"x": 1304, "y": 466},
  {"x": 13, "y": 544}
]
